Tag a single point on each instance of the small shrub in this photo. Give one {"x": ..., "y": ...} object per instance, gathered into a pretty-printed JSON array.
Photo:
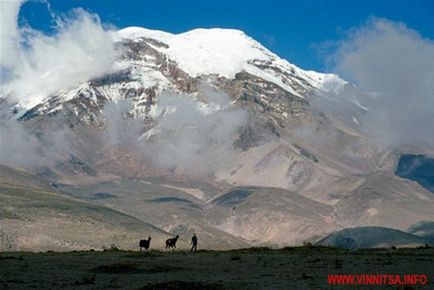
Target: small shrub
[
  {"x": 114, "y": 248},
  {"x": 307, "y": 244},
  {"x": 235, "y": 258}
]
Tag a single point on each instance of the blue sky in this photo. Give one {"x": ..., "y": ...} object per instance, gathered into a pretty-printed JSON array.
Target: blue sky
[{"x": 303, "y": 32}]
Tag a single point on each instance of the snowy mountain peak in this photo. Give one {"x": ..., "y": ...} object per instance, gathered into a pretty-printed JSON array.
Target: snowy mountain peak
[
  {"x": 156, "y": 61},
  {"x": 226, "y": 52},
  {"x": 134, "y": 32}
]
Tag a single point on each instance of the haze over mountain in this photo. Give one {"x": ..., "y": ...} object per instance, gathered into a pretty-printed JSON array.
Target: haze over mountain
[{"x": 205, "y": 131}]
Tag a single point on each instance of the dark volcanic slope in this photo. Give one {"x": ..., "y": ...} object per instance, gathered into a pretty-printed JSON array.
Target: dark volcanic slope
[
  {"x": 424, "y": 229},
  {"x": 371, "y": 237}
]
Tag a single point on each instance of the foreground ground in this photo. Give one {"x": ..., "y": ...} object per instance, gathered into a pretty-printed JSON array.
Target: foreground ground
[{"x": 256, "y": 268}]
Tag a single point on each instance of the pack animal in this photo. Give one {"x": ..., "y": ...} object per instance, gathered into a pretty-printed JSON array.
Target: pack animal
[
  {"x": 171, "y": 243},
  {"x": 145, "y": 244}
]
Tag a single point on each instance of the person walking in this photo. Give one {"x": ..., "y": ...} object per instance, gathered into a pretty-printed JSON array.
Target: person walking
[{"x": 193, "y": 243}]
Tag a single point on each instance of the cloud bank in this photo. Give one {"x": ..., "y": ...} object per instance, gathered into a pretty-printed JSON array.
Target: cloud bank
[
  {"x": 9, "y": 34},
  {"x": 189, "y": 135},
  {"x": 193, "y": 137},
  {"x": 35, "y": 66},
  {"x": 22, "y": 147},
  {"x": 120, "y": 127},
  {"x": 393, "y": 69}
]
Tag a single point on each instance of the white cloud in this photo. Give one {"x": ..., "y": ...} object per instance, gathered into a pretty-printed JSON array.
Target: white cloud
[
  {"x": 20, "y": 147},
  {"x": 80, "y": 49},
  {"x": 187, "y": 135},
  {"x": 393, "y": 67},
  {"x": 9, "y": 34},
  {"x": 193, "y": 137}
]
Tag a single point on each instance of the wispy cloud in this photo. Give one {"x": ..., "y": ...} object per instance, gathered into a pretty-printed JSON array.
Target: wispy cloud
[
  {"x": 393, "y": 69},
  {"x": 195, "y": 137},
  {"x": 188, "y": 136},
  {"x": 9, "y": 34}
]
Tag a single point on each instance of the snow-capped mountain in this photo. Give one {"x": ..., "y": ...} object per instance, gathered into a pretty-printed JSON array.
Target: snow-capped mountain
[
  {"x": 228, "y": 132},
  {"x": 162, "y": 61},
  {"x": 226, "y": 52}
]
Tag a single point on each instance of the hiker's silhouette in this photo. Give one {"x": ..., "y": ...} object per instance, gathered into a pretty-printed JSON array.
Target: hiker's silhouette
[{"x": 193, "y": 243}]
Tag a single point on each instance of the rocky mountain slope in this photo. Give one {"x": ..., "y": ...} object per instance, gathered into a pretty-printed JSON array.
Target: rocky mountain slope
[
  {"x": 34, "y": 217},
  {"x": 208, "y": 131}
]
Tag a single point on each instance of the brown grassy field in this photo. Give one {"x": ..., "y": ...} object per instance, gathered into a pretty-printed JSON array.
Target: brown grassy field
[{"x": 254, "y": 268}]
